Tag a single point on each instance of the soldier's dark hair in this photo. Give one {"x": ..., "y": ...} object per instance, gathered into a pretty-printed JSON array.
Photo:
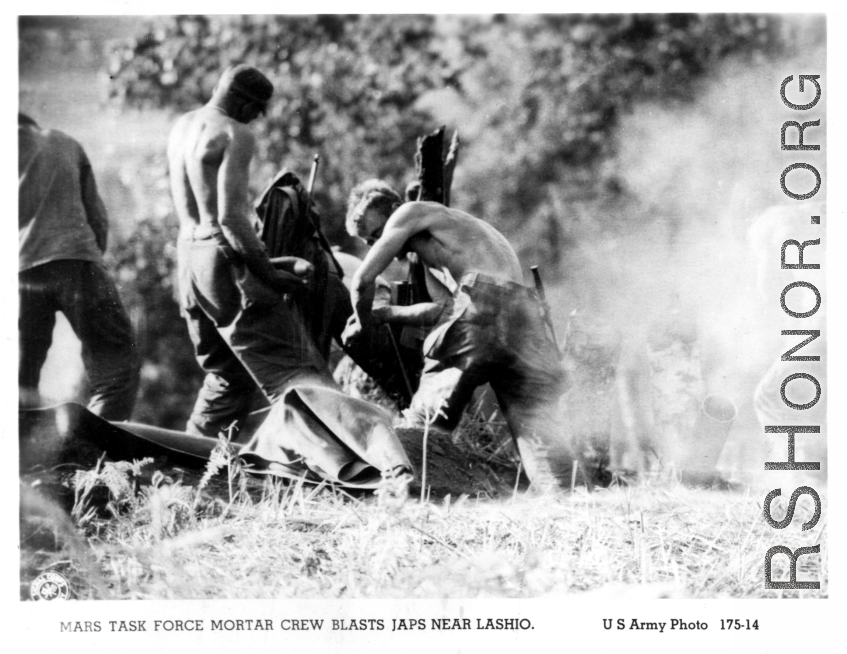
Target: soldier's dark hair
[
  {"x": 248, "y": 83},
  {"x": 372, "y": 193}
]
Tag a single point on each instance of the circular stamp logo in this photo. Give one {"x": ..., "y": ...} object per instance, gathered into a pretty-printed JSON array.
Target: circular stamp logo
[{"x": 50, "y": 586}]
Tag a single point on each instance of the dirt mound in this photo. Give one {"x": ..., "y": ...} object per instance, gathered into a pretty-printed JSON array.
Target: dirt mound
[{"x": 449, "y": 469}]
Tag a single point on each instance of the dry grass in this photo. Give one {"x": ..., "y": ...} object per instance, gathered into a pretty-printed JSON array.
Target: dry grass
[{"x": 168, "y": 540}]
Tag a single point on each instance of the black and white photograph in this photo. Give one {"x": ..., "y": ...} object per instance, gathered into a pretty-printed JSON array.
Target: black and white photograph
[{"x": 497, "y": 312}]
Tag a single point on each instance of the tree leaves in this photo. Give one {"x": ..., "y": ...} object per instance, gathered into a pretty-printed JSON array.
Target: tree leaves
[{"x": 542, "y": 94}]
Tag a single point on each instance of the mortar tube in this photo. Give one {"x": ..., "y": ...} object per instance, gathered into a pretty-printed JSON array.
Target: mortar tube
[{"x": 698, "y": 458}]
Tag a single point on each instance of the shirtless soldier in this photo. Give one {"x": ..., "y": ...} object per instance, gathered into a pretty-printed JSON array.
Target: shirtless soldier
[
  {"x": 490, "y": 332},
  {"x": 230, "y": 293}
]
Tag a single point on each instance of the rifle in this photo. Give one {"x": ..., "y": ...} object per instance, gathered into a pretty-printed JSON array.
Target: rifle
[
  {"x": 545, "y": 308},
  {"x": 312, "y": 175}
]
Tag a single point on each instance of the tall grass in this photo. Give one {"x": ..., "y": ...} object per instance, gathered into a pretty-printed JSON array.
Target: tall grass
[{"x": 292, "y": 539}]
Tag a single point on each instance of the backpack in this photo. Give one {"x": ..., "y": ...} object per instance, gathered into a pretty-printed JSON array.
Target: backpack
[{"x": 289, "y": 226}]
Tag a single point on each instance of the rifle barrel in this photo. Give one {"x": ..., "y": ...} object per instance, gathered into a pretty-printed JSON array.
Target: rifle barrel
[
  {"x": 313, "y": 175},
  {"x": 545, "y": 307},
  {"x": 539, "y": 285}
]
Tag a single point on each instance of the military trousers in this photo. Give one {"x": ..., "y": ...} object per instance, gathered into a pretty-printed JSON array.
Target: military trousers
[
  {"x": 493, "y": 334},
  {"x": 245, "y": 333},
  {"x": 87, "y": 296}
]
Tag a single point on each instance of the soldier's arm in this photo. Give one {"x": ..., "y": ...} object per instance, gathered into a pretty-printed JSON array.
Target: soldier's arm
[
  {"x": 234, "y": 210},
  {"x": 177, "y": 174},
  {"x": 420, "y": 314},
  {"x": 95, "y": 210},
  {"x": 401, "y": 226}
]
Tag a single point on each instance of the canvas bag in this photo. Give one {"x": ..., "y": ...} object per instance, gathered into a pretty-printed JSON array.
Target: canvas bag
[{"x": 289, "y": 226}]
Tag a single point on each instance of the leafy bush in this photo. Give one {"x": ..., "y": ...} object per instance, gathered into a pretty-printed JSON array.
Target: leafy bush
[
  {"x": 344, "y": 85},
  {"x": 144, "y": 264}
]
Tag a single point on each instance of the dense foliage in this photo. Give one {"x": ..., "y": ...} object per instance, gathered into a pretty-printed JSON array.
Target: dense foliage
[
  {"x": 345, "y": 87},
  {"x": 536, "y": 98},
  {"x": 543, "y": 97},
  {"x": 143, "y": 261}
]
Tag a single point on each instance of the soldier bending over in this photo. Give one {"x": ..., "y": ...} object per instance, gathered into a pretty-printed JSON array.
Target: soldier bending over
[{"x": 490, "y": 332}]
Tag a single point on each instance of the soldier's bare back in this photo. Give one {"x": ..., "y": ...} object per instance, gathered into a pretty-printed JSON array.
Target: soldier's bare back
[
  {"x": 209, "y": 156},
  {"x": 461, "y": 243}
]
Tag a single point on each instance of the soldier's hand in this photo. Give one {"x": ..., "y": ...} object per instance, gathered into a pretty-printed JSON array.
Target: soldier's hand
[
  {"x": 294, "y": 265},
  {"x": 382, "y": 314},
  {"x": 285, "y": 282},
  {"x": 353, "y": 331},
  {"x": 291, "y": 273}
]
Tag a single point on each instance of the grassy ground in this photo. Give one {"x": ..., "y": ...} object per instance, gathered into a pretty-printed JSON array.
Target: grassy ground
[{"x": 166, "y": 540}]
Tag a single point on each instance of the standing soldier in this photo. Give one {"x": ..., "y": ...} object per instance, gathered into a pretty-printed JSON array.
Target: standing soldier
[
  {"x": 245, "y": 333},
  {"x": 62, "y": 230},
  {"x": 230, "y": 293}
]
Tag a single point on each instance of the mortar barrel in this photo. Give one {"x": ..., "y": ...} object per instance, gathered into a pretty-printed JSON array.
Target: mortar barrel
[
  {"x": 698, "y": 459},
  {"x": 401, "y": 294}
]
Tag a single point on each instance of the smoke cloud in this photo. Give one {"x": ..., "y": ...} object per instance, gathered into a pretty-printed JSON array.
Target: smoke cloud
[{"x": 696, "y": 253}]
